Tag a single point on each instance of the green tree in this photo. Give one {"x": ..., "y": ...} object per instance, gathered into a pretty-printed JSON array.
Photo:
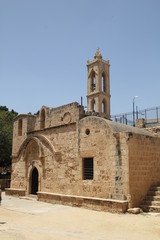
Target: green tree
[{"x": 6, "y": 131}]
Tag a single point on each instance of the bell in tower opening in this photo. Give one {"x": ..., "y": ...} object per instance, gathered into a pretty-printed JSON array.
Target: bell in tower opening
[{"x": 98, "y": 86}]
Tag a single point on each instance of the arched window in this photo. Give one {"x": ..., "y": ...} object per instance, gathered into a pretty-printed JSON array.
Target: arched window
[
  {"x": 20, "y": 125},
  {"x": 93, "y": 105},
  {"x": 103, "y": 82},
  {"x": 104, "y": 106},
  {"x": 42, "y": 119},
  {"x": 93, "y": 82}
]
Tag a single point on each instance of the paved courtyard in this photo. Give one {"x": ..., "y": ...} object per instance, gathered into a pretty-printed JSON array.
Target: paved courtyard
[{"x": 30, "y": 220}]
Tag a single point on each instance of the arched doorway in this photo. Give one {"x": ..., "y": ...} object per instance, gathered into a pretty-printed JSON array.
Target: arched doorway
[{"x": 34, "y": 181}]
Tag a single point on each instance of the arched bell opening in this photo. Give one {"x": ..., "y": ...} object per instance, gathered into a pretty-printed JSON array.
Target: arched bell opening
[
  {"x": 103, "y": 106},
  {"x": 93, "y": 82},
  {"x": 103, "y": 82},
  {"x": 93, "y": 105}
]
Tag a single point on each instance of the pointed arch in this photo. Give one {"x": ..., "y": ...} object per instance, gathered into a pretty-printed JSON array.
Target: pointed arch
[
  {"x": 41, "y": 141},
  {"x": 93, "y": 81},
  {"x": 34, "y": 181},
  {"x": 26, "y": 144},
  {"x": 103, "y": 82},
  {"x": 30, "y": 173}
]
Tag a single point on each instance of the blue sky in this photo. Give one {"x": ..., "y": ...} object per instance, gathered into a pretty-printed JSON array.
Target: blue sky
[{"x": 45, "y": 45}]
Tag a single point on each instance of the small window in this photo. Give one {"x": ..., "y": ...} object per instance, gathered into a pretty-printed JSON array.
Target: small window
[
  {"x": 20, "y": 124},
  {"x": 88, "y": 169},
  {"x": 87, "y": 131},
  {"x": 42, "y": 119}
]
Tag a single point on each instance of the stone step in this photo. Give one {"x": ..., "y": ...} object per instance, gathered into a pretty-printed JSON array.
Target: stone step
[
  {"x": 146, "y": 208},
  {"x": 151, "y": 203},
  {"x": 152, "y": 198},
  {"x": 155, "y": 189},
  {"x": 29, "y": 197},
  {"x": 153, "y": 193}
]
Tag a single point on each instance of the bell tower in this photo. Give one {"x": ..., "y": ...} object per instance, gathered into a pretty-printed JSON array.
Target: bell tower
[{"x": 98, "y": 85}]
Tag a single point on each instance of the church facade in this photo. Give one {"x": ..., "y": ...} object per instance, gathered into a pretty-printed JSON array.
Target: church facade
[{"x": 68, "y": 156}]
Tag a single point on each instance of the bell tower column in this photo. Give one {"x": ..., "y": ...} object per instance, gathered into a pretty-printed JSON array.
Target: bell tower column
[{"x": 98, "y": 85}]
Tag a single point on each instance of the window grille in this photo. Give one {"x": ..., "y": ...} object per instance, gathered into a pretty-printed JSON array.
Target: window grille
[{"x": 88, "y": 168}]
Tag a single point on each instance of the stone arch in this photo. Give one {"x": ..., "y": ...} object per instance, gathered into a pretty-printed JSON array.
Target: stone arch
[
  {"x": 44, "y": 139},
  {"x": 40, "y": 140},
  {"x": 34, "y": 181},
  {"x": 32, "y": 152},
  {"x": 31, "y": 168},
  {"x": 27, "y": 142}
]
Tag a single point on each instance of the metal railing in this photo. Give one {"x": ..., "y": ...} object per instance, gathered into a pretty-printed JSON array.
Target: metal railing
[{"x": 151, "y": 116}]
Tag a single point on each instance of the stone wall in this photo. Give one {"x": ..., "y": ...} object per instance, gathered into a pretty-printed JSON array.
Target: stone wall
[
  {"x": 144, "y": 166},
  {"x": 54, "y": 162},
  {"x": 17, "y": 140},
  {"x": 98, "y": 204},
  {"x": 110, "y": 158},
  {"x": 60, "y": 164},
  {"x": 66, "y": 114},
  {"x": 121, "y": 166},
  {"x": 54, "y": 117},
  {"x": 126, "y": 160},
  {"x": 155, "y": 130}
]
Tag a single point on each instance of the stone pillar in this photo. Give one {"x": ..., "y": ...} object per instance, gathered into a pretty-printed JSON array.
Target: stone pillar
[{"x": 140, "y": 123}]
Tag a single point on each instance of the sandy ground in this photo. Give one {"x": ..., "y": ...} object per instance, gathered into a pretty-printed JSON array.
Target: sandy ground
[{"x": 29, "y": 219}]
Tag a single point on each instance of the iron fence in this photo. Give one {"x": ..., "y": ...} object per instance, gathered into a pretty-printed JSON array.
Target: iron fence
[{"x": 151, "y": 116}]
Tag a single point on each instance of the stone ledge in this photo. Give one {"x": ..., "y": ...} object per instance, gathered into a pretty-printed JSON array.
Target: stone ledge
[
  {"x": 15, "y": 192},
  {"x": 99, "y": 204}
]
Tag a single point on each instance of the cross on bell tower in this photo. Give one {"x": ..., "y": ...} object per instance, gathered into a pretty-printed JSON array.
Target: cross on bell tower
[{"x": 98, "y": 85}]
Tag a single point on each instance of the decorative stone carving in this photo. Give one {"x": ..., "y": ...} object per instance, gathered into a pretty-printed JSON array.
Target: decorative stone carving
[{"x": 67, "y": 118}]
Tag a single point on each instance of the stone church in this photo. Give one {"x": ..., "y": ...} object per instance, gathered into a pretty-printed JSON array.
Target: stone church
[{"x": 66, "y": 155}]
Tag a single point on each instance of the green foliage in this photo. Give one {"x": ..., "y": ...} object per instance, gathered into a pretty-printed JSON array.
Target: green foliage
[
  {"x": 3, "y": 108},
  {"x": 6, "y": 131}
]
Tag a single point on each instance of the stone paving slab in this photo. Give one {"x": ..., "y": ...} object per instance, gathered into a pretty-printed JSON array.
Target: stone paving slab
[{"x": 28, "y": 205}]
